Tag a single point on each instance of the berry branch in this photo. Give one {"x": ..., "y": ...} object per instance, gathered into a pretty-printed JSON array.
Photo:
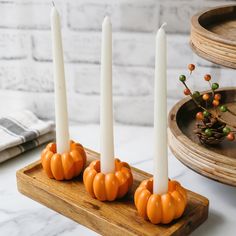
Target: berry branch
[{"x": 212, "y": 125}]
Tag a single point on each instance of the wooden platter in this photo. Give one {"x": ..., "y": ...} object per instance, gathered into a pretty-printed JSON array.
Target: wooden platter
[
  {"x": 213, "y": 34},
  {"x": 107, "y": 218},
  {"x": 219, "y": 162}
]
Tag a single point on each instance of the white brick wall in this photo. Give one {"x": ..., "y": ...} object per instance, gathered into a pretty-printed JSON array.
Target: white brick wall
[
  {"x": 26, "y": 60},
  {"x": 125, "y": 14}
]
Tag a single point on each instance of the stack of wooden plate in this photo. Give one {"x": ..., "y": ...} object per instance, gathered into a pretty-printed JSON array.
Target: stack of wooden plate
[
  {"x": 213, "y": 35},
  {"x": 216, "y": 162}
]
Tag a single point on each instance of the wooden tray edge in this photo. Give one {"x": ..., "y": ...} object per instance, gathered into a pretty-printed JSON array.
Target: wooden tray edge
[
  {"x": 175, "y": 133},
  {"x": 192, "y": 222},
  {"x": 199, "y": 29},
  {"x": 210, "y": 58},
  {"x": 173, "y": 127}
]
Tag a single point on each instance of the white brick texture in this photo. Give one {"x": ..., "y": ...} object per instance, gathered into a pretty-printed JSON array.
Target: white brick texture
[
  {"x": 126, "y": 15},
  {"x": 19, "y": 75},
  {"x": 26, "y": 79},
  {"x": 129, "y": 49},
  {"x": 128, "y": 81},
  {"x": 14, "y": 45},
  {"x": 26, "y": 15}
]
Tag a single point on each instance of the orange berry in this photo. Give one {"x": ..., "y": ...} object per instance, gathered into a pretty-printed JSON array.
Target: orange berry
[
  {"x": 205, "y": 96},
  {"x": 217, "y": 96},
  {"x": 231, "y": 136},
  {"x": 187, "y": 92},
  {"x": 207, "y": 77},
  {"x": 199, "y": 116},
  {"x": 191, "y": 67},
  {"x": 215, "y": 103}
]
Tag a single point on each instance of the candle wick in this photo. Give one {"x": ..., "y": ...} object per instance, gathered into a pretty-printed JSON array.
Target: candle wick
[
  {"x": 106, "y": 16},
  {"x": 53, "y": 3},
  {"x": 163, "y": 25}
]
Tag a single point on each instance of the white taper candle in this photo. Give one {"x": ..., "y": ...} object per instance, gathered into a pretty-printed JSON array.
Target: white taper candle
[
  {"x": 106, "y": 106},
  {"x": 62, "y": 128},
  {"x": 160, "y": 184}
]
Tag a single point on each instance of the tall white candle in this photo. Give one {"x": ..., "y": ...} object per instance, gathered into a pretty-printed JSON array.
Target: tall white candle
[
  {"x": 62, "y": 131},
  {"x": 160, "y": 184},
  {"x": 106, "y": 106}
]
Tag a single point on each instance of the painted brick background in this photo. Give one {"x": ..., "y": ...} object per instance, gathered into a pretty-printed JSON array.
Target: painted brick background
[{"x": 26, "y": 79}]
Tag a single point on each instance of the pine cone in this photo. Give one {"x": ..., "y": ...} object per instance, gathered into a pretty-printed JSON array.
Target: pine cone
[{"x": 216, "y": 127}]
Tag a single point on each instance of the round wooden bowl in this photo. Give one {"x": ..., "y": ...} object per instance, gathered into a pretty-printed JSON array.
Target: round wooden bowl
[
  {"x": 215, "y": 162},
  {"x": 213, "y": 34}
]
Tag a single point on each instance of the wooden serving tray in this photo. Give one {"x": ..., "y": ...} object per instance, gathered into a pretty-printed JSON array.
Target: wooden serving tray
[
  {"x": 215, "y": 162},
  {"x": 107, "y": 218},
  {"x": 213, "y": 34}
]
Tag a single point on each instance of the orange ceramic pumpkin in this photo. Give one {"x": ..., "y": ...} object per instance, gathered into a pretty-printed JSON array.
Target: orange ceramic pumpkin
[
  {"x": 65, "y": 165},
  {"x": 108, "y": 187},
  {"x": 160, "y": 208}
]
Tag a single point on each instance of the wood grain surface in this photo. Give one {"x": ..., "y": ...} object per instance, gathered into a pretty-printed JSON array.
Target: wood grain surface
[
  {"x": 216, "y": 162},
  {"x": 107, "y": 218},
  {"x": 213, "y": 34}
]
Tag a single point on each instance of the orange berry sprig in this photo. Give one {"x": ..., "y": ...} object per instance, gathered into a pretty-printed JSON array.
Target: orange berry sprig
[
  {"x": 213, "y": 98},
  {"x": 194, "y": 95},
  {"x": 216, "y": 96},
  {"x": 207, "y": 77},
  {"x": 191, "y": 68}
]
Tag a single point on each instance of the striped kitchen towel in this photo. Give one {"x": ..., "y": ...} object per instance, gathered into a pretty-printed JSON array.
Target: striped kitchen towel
[{"x": 22, "y": 131}]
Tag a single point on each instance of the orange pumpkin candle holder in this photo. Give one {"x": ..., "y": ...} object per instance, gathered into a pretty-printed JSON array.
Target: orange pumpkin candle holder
[
  {"x": 160, "y": 208},
  {"x": 66, "y": 165},
  {"x": 108, "y": 187}
]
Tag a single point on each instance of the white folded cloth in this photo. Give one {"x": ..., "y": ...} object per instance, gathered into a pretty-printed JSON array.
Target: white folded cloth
[{"x": 22, "y": 131}]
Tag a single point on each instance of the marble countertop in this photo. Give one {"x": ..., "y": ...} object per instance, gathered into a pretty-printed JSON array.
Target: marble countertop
[{"x": 20, "y": 215}]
